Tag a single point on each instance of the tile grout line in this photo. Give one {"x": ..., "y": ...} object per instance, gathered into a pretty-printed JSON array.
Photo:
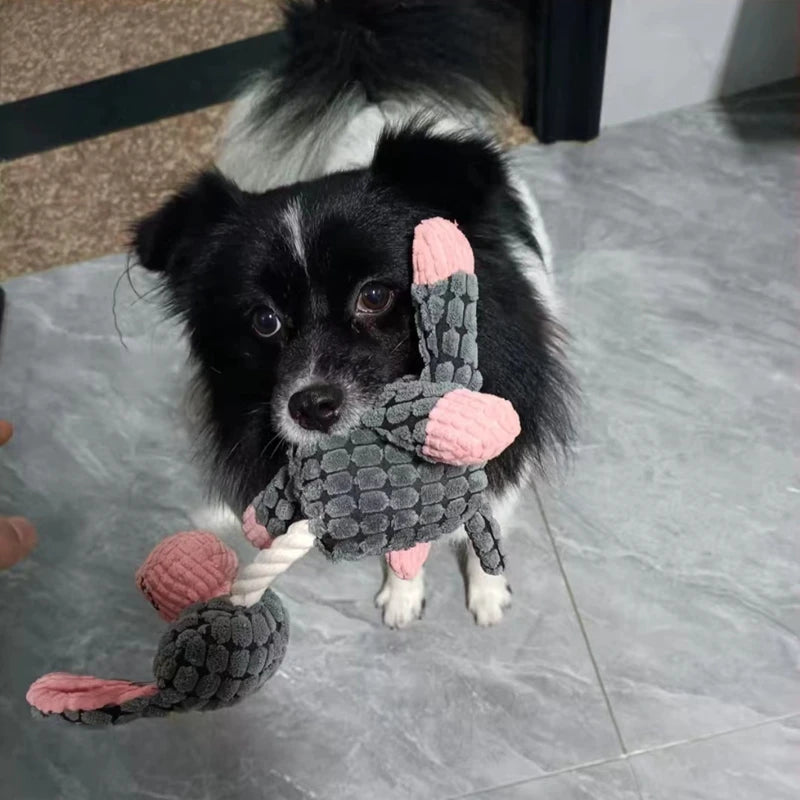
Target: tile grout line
[
  {"x": 626, "y": 757},
  {"x": 533, "y": 779},
  {"x": 626, "y": 754},
  {"x": 581, "y": 625},
  {"x": 709, "y": 736}
]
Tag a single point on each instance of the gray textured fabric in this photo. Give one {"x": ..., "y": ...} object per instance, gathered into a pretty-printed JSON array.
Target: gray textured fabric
[
  {"x": 214, "y": 655},
  {"x": 373, "y": 491},
  {"x": 448, "y": 327}
]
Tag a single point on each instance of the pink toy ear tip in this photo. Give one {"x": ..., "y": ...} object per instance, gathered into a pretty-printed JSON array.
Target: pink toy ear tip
[
  {"x": 186, "y": 568},
  {"x": 435, "y": 223},
  {"x": 441, "y": 228},
  {"x": 440, "y": 250},
  {"x": 439, "y": 225}
]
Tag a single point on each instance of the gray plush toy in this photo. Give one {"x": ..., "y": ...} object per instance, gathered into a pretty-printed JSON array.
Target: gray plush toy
[{"x": 414, "y": 469}]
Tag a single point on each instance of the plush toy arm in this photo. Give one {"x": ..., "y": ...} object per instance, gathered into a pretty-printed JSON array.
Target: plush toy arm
[
  {"x": 466, "y": 427},
  {"x": 271, "y": 513},
  {"x": 444, "y": 422},
  {"x": 484, "y": 534},
  {"x": 445, "y": 296}
]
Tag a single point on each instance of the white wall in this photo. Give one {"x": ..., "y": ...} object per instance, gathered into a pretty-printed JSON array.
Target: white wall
[{"x": 664, "y": 54}]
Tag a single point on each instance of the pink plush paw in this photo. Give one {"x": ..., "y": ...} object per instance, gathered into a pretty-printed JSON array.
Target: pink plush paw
[
  {"x": 439, "y": 251},
  {"x": 186, "y": 568},
  {"x": 466, "y": 427},
  {"x": 406, "y": 564},
  {"x": 60, "y": 691},
  {"x": 256, "y": 534}
]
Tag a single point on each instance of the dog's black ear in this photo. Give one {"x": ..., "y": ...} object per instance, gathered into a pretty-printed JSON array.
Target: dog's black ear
[
  {"x": 456, "y": 174},
  {"x": 163, "y": 240}
]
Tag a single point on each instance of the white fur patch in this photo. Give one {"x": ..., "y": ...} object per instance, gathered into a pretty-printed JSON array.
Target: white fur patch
[
  {"x": 260, "y": 154},
  {"x": 538, "y": 270},
  {"x": 292, "y": 220}
]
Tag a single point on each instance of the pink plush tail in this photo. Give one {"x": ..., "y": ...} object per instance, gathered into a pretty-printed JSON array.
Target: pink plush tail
[{"x": 58, "y": 692}]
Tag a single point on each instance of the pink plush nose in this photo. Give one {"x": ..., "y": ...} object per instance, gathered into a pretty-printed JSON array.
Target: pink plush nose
[{"x": 186, "y": 568}]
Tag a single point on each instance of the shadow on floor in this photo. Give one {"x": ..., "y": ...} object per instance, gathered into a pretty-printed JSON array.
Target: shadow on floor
[
  {"x": 764, "y": 47},
  {"x": 763, "y": 115}
]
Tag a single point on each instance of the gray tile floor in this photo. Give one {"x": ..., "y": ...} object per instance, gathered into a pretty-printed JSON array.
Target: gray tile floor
[{"x": 652, "y": 651}]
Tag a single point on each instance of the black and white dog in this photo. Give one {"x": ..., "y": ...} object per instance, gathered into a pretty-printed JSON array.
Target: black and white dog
[{"x": 290, "y": 263}]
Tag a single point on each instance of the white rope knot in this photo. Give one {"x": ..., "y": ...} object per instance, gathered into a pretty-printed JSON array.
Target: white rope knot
[{"x": 256, "y": 578}]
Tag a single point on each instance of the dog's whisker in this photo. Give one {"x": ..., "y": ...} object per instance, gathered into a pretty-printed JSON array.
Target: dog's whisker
[
  {"x": 280, "y": 441},
  {"x": 400, "y": 344},
  {"x": 233, "y": 450},
  {"x": 277, "y": 436}
]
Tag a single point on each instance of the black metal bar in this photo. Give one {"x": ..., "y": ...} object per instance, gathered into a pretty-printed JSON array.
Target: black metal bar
[
  {"x": 567, "y": 42},
  {"x": 133, "y": 98}
]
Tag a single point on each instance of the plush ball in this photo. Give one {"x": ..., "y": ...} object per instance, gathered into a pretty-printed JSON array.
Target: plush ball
[{"x": 186, "y": 568}]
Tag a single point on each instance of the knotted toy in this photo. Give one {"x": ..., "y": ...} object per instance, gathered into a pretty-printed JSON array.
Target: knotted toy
[
  {"x": 411, "y": 472},
  {"x": 414, "y": 469},
  {"x": 214, "y": 653}
]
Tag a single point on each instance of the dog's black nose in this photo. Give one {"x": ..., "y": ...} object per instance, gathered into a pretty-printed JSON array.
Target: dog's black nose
[{"x": 316, "y": 408}]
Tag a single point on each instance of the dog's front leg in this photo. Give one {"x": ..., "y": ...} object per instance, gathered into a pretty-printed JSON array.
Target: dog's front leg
[
  {"x": 488, "y": 596},
  {"x": 402, "y": 601}
]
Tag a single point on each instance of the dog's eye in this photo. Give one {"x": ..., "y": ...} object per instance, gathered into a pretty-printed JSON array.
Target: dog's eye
[
  {"x": 266, "y": 322},
  {"x": 374, "y": 298}
]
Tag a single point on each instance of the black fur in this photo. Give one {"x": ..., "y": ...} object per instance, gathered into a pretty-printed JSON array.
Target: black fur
[
  {"x": 399, "y": 49},
  {"x": 223, "y": 252}
]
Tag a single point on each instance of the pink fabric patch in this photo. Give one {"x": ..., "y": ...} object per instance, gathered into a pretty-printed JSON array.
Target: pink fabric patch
[
  {"x": 186, "y": 568},
  {"x": 439, "y": 251},
  {"x": 406, "y": 564},
  {"x": 256, "y": 534},
  {"x": 466, "y": 427},
  {"x": 60, "y": 691}
]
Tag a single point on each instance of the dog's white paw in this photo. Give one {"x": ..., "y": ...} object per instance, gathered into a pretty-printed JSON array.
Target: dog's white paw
[
  {"x": 487, "y": 599},
  {"x": 402, "y": 601}
]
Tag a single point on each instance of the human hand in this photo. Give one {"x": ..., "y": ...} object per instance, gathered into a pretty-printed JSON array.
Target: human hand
[{"x": 17, "y": 534}]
